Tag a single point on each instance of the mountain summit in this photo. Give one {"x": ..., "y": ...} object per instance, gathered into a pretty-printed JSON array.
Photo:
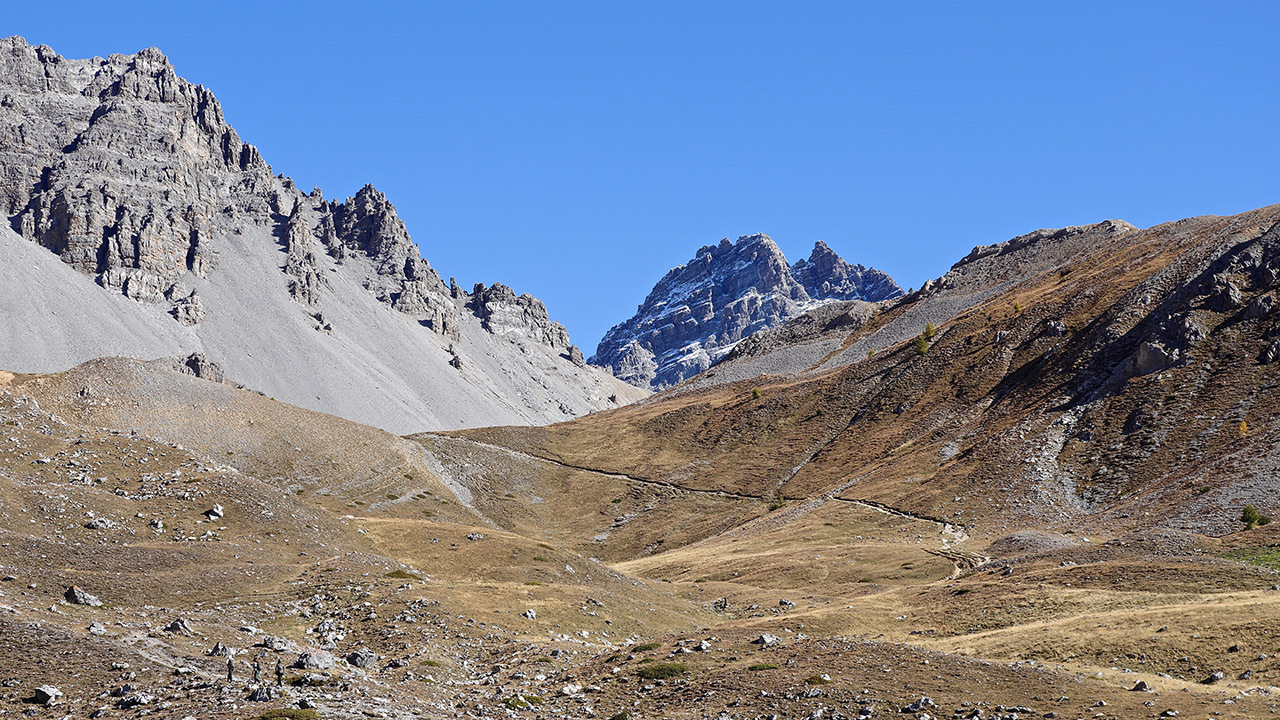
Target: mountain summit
[
  {"x": 698, "y": 311},
  {"x": 140, "y": 224},
  {"x": 827, "y": 276}
]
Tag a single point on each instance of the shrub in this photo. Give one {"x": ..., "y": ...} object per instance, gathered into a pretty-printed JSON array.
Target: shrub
[
  {"x": 817, "y": 680},
  {"x": 1243, "y": 429},
  {"x": 520, "y": 702},
  {"x": 403, "y": 575},
  {"x": 929, "y": 331},
  {"x": 646, "y": 647},
  {"x": 762, "y": 666},
  {"x": 662, "y": 671},
  {"x": 778, "y": 501},
  {"x": 1017, "y": 307},
  {"x": 922, "y": 345},
  {"x": 1252, "y": 518},
  {"x": 755, "y": 394}
]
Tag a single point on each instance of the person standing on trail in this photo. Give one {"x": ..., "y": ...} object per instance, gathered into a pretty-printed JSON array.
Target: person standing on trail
[
  {"x": 279, "y": 673},
  {"x": 231, "y": 665},
  {"x": 257, "y": 670}
]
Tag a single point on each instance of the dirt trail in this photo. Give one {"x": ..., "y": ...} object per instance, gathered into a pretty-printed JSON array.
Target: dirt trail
[{"x": 950, "y": 534}]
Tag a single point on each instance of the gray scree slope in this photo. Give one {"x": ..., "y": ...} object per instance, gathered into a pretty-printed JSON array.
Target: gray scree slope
[{"x": 139, "y": 224}]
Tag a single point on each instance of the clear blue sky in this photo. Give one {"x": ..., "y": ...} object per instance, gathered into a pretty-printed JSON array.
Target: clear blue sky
[{"x": 577, "y": 151}]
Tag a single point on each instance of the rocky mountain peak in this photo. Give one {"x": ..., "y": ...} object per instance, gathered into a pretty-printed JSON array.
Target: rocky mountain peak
[
  {"x": 826, "y": 275},
  {"x": 699, "y": 310},
  {"x": 119, "y": 166}
]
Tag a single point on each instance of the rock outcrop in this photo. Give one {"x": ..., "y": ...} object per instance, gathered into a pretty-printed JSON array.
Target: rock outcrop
[
  {"x": 700, "y": 310},
  {"x": 502, "y": 313},
  {"x": 826, "y": 275},
  {"x": 120, "y": 167}
]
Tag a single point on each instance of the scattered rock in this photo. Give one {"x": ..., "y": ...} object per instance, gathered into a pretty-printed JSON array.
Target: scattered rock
[
  {"x": 924, "y": 703},
  {"x": 262, "y": 694}
]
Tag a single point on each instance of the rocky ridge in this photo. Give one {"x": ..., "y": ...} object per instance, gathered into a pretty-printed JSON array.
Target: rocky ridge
[
  {"x": 132, "y": 176},
  {"x": 698, "y": 311}
]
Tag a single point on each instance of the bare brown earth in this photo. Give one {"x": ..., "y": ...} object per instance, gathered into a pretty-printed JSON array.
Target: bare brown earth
[{"x": 1027, "y": 519}]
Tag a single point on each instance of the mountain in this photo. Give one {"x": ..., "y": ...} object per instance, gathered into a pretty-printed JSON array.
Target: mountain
[
  {"x": 140, "y": 224},
  {"x": 698, "y": 311}
]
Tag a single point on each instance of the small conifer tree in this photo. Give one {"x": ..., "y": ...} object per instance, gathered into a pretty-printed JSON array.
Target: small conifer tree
[{"x": 1252, "y": 518}]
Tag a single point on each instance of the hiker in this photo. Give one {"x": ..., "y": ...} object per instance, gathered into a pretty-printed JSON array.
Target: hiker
[
  {"x": 279, "y": 673},
  {"x": 231, "y": 666},
  {"x": 257, "y": 670}
]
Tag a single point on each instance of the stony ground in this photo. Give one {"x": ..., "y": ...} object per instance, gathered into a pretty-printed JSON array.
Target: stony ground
[
  {"x": 817, "y": 609},
  {"x": 1037, "y": 513}
]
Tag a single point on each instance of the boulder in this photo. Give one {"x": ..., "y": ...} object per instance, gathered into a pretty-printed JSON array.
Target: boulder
[
  {"x": 278, "y": 644},
  {"x": 363, "y": 658},
  {"x": 315, "y": 660},
  {"x": 1260, "y": 307},
  {"x": 76, "y": 596},
  {"x": 47, "y": 695}
]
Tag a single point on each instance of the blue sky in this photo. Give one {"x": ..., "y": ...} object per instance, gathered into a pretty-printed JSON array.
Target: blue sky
[{"x": 577, "y": 151}]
